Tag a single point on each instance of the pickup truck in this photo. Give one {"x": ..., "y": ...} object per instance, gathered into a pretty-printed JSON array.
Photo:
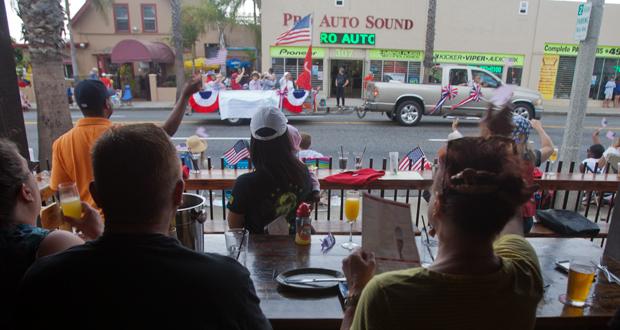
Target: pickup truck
[{"x": 407, "y": 103}]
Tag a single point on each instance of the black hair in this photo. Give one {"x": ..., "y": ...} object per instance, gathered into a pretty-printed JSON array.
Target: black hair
[
  {"x": 597, "y": 150},
  {"x": 275, "y": 159},
  {"x": 135, "y": 169},
  {"x": 12, "y": 176},
  {"x": 93, "y": 111}
]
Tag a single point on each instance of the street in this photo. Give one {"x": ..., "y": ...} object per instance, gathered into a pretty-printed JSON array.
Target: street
[{"x": 379, "y": 134}]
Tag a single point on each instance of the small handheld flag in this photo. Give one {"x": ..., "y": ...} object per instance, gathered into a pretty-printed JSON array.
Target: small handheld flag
[{"x": 238, "y": 152}]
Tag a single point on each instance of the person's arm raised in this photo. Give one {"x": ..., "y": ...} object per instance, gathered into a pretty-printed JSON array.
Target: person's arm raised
[
  {"x": 176, "y": 116},
  {"x": 546, "y": 145},
  {"x": 596, "y": 136}
]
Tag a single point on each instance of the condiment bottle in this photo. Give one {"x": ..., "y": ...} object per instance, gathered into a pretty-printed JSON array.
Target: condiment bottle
[{"x": 303, "y": 226}]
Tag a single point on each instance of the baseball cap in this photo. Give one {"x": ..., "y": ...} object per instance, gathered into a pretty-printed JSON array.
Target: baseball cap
[
  {"x": 91, "y": 94},
  {"x": 268, "y": 124}
]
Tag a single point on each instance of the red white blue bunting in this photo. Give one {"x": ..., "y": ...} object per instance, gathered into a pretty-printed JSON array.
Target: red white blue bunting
[
  {"x": 447, "y": 93},
  {"x": 293, "y": 100},
  {"x": 474, "y": 95},
  {"x": 205, "y": 101}
]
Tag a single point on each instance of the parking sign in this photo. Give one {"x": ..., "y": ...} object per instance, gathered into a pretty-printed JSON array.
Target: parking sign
[{"x": 583, "y": 19}]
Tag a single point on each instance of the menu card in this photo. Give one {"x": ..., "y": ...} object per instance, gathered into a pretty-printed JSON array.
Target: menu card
[{"x": 387, "y": 230}]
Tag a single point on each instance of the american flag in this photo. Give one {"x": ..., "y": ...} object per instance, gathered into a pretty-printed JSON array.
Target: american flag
[
  {"x": 220, "y": 58},
  {"x": 298, "y": 33},
  {"x": 414, "y": 157},
  {"x": 238, "y": 152}
]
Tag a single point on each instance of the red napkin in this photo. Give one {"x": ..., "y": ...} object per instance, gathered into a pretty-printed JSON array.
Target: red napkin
[{"x": 356, "y": 178}]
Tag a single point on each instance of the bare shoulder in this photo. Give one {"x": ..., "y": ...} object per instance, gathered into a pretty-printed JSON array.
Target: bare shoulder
[{"x": 57, "y": 241}]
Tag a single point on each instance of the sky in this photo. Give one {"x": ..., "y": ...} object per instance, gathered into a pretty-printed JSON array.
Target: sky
[{"x": 15, "y": 22}]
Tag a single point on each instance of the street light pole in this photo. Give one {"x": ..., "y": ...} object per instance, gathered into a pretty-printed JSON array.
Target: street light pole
[{"x": 571, "y": 142}]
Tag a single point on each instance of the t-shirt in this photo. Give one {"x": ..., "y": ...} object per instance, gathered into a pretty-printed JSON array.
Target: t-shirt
[
  {"x": 140, "y": 281},
  {"x": 254, "y": 85},
  {"x": 341, "y": 79},
  {"x": 233, "y": 82},
  {"x": 261, "y": 200},
  {"x": 506, "y": 299},
  {"x": 590, "y": 164},
  {"x": 71, "y": 159},
  {"x": 18, "y": 250},
  {"x": 106, "y": 82}
]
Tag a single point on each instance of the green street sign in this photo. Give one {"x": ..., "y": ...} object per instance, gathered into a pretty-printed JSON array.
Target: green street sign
[{"x": 347, "y": 38}]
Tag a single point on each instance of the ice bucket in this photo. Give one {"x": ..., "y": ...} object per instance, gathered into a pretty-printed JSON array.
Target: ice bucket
[{"x": 188, "y": 226}]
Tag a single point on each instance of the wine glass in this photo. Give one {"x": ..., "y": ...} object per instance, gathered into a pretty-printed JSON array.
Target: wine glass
[{"x": 351, "y": 211}]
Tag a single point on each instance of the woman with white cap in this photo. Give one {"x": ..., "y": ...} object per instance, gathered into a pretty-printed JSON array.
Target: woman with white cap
[{"x": 279, "y": 182}]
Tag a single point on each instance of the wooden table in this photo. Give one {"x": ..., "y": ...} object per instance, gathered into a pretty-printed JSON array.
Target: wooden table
[{"x": 291, "y": 310}]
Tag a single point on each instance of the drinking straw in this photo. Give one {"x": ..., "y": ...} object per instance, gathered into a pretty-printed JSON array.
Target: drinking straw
[
  {"x": 363, "y": 152},
  {"x": 241, "y": 244},
  {"x": 341, "y": 152},
  {"x": 424, "y": 226}
]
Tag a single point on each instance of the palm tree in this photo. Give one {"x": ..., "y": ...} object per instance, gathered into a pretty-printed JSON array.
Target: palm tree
[
  {"x": 220, "y": 14},
  {"x": 177, "y": 40},
  {"x": 43, "y": 25},
  {"x": 429, "y": 47}
]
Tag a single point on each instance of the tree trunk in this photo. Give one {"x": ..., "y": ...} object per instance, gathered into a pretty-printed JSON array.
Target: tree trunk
[
  {"x": 177, "y": 39},
  {"x": 429, "y": 46},
  {"x": 11, "y": 116},
  {"x": 74, "y": 63},
  {"x": 43, "y": 27}
]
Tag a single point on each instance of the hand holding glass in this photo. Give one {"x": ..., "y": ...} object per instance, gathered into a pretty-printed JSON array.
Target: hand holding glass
[
  {"x": 70, "y": 200},
  {"x": 351, "y": 211}
]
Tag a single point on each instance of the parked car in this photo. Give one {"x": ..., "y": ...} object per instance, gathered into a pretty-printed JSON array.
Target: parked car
[{"x": 408, "y": 103}]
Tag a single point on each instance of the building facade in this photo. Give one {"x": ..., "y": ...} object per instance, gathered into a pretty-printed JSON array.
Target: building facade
[
  {"x": 147, "y": 26},
  {"x": 529, "y": 43}
]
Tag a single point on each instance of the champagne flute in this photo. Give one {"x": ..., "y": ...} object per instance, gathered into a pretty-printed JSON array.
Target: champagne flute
[
  {"x": 70, "y": 200},
  {"x": 351, "y": 211}
]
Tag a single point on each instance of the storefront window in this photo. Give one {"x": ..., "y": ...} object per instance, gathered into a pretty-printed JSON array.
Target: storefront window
[
  {"x": 604, "y": 68},
  {"x": 403, "y": 71},
  {"x": 295, "y": 66},
  {"x": 514, "y": 76}
]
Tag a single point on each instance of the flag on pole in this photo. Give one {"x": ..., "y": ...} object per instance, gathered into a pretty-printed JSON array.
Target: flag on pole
[
  {"x": 300, "y": 32},
  {"x": 304, "y": 80},
  {"x": 238, "y": 152},
  {"x": 219, "y": 59},
  {"x": 414, "y": 157}
]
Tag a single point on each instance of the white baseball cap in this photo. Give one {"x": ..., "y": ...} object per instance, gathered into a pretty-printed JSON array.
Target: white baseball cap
[{"x": 268, "y": 124}]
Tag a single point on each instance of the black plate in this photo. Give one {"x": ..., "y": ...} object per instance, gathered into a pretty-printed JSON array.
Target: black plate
[{"x": 302, "y": 273}]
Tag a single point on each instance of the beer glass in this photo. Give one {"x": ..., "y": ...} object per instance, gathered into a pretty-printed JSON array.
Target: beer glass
[
  {"x": 580, "y": 278},
  {"x": 237, "y": 244},
  {"x": 554, "y": 155},
  {"x": 70, "y": 200},
  {"x": 351, "y": 211}
]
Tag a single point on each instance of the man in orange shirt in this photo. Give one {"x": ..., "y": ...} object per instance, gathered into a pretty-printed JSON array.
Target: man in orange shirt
[{"x": 71, "y": 159}]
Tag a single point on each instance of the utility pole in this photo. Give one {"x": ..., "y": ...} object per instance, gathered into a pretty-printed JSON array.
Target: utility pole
[
  {"x": 571, "y": 142},
  {"x": 11, "y": 115}
]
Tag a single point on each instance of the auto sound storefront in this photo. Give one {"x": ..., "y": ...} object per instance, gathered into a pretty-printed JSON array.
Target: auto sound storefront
[
  {"x": 508, "y": 67},
  {"x": 291, "y": 59},
  {"x": 396, "y": 64},
  {"x": 558, "y": 68}
]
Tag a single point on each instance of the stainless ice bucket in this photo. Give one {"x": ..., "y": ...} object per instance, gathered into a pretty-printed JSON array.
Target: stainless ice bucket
[{"x": 188, "y": 225}]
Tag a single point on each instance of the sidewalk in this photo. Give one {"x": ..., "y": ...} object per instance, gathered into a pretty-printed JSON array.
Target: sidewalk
[{"x": 550, "y": 109}]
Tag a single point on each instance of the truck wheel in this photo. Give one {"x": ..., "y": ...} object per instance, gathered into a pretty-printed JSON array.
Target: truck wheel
[
  {"x": 524, "y": 109},
  {"x": 409, "y": 113}
]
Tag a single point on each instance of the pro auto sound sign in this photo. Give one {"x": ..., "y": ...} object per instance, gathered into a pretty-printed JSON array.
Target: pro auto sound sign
[{"x": 348, "y": 38}]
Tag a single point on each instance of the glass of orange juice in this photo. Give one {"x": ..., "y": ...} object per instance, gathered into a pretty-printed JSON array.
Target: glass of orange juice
[
  {"x": 70, "y": 200},
  {"x": 580, "y": 278},
  {"x": 351, "y": 211}
]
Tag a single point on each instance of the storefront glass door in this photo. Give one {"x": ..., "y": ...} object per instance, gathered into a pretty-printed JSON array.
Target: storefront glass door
[{"x": 354, "y": 70}]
